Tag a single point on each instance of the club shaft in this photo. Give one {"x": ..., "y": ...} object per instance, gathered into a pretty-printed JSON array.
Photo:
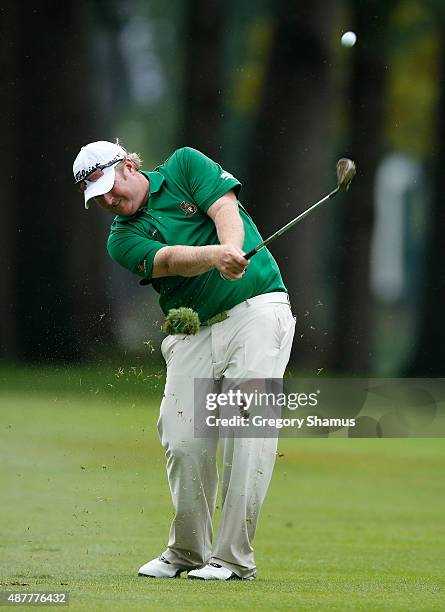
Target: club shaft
[{"x": 288, "y": 226}]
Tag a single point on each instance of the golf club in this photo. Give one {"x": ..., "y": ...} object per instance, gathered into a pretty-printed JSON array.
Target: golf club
[{"x": 346, "y": 171}]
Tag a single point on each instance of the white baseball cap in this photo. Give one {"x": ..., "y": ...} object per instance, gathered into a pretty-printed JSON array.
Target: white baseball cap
[{"x": 94, "y": 168}]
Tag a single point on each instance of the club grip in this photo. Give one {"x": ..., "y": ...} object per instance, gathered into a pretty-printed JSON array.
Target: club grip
[{"x": 250, "y": 254}]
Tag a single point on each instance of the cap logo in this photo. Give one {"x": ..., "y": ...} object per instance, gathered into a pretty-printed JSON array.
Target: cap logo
[
  {"x": 85, "y": 172},
  {"x": 188, "y": 209}
]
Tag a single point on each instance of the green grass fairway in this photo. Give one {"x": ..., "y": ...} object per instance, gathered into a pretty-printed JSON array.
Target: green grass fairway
[{"x": 348, "y": 524}]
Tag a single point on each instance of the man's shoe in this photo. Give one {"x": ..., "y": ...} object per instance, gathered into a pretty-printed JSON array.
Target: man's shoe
[
  {"x": 214, "y": 571},
  {"x": 161, "y": 568}
]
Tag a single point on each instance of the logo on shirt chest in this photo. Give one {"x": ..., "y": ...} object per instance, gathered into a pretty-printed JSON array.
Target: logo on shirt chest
[{"x": 188, "y": 209}]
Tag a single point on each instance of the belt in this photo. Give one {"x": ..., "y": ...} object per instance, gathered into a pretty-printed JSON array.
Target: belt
[{"x": 275, "y": 297}]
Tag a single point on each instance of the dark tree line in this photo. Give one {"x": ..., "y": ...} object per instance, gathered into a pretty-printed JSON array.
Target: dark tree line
[
  {"x": 429, "y": 355},
  {"x": 290, "y": 156},
  {"x": 353, "y": 324},
  {"x": 54, "y": 284},
  {"x": 55, "y": 270},
  {"x": 293, "y": 154}
]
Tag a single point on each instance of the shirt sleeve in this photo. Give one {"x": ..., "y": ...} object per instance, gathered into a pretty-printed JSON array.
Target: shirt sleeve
[
  {"x": 133, "y": 251},
  {"x": 205, "y": 178}
]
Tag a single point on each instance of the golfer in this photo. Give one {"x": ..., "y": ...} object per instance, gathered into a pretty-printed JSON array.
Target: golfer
[{"x": 182, "y": 229}]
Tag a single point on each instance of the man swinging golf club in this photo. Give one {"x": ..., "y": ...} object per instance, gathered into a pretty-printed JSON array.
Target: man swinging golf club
[{"x": 182, "y": 229}]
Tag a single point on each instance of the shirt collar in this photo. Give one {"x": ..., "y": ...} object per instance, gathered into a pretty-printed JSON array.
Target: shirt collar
[{"x": 156, "y": 179}]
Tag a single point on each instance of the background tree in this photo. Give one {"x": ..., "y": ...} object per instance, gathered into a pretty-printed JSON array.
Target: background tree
[
  {"x": 352, "y": 327},
  {"x": 56, "y": 280},
  {"x": 201, "y": 112},
  {"x": 290, "y": 155},
  {"x": 9, "y": 28},
  {"x": 429, "y": 356}
]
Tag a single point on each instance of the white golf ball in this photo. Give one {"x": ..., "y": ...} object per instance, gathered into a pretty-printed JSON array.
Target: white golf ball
[{"x": 348, "y": 39}]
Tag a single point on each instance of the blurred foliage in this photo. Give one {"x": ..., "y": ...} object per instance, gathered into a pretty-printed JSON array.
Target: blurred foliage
[
  {"x": 141, "y": 46},
  {"x": 412, "y": 79},
  {"x": 247, "y": 47},
  {"x": 248, "y": 77}
]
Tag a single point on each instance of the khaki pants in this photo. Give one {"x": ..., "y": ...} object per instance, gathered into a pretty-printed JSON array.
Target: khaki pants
[{"x": 253, "y": 342}]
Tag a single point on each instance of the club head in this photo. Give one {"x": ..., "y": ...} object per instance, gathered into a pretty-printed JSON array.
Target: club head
[{"x": 346, "y": 171}]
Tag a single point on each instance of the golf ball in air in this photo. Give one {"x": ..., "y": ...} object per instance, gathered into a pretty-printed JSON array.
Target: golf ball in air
[{"x": 348, "y": 39}]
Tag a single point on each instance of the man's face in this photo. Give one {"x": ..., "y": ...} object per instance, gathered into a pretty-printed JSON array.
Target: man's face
[{"x": 129, "y": 192}]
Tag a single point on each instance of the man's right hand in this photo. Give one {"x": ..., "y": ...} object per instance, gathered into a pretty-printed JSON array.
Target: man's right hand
[{"x": 230, "y": 261}]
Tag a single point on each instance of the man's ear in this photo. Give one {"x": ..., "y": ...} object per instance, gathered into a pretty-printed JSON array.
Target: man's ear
[{"x": 128, "y": 167}]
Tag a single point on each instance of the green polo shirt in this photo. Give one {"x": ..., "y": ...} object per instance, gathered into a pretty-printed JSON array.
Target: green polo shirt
[{"x": 181, "y": 191}]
